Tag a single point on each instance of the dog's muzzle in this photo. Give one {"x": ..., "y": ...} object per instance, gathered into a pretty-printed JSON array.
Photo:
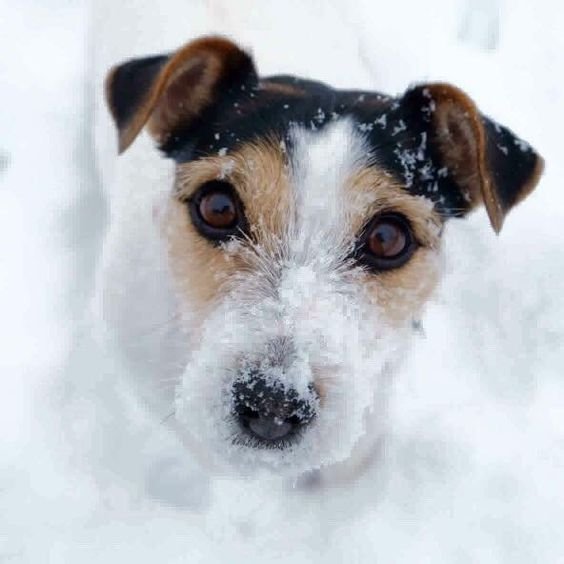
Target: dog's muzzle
[{"x": 270, "y": 412}]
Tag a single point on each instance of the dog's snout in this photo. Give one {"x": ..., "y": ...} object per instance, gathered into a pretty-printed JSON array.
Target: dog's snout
[{"x": 269, "y": 411}]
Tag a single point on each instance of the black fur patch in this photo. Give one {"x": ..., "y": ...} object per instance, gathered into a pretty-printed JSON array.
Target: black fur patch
[
  {"x": 396, "y": 131},
  {"x": 130, "y": 84},
  {"x": 510, "y": 159}
]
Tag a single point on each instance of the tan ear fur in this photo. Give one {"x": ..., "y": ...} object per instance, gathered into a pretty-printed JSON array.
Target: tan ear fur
[{"x": 489, "y": 163}]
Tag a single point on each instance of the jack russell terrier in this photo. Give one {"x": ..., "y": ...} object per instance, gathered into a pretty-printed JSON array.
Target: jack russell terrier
[{"x": 289, "y": 255}]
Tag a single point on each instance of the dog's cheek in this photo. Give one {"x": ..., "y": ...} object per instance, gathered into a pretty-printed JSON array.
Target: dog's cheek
[
  {"x": 400, "y": 295},
  {"x": 198, "y": 268}
]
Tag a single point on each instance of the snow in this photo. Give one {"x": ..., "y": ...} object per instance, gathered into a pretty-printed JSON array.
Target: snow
[{"x": 471, "y": 469}]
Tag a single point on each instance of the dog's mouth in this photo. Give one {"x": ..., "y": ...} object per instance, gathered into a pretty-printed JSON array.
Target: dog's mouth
[{"x": 270, "y": 414}]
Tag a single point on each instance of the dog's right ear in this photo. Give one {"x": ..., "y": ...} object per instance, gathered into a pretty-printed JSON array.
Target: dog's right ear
[{"x": 171, "y": 93}]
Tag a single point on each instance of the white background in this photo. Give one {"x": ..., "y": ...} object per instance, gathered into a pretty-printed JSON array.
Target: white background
[{"x": 475, "y": 463}]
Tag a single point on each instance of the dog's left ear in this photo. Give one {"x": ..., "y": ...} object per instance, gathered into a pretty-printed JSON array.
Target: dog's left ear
[
  {"x": 175, "y": 92},
  {"x": 488, "y": 163}
]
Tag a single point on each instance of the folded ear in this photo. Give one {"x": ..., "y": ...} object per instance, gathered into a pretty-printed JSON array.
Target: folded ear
[
  {"x": 169, "y": 93},
  {"x": 488, "y": 163}
]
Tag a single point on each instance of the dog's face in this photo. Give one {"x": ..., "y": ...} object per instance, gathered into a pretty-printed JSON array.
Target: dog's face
[{"x": 303, "y": 235}]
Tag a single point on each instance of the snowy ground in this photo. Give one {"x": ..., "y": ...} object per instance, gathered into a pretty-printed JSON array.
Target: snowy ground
[{"x": 474, "y": 467}]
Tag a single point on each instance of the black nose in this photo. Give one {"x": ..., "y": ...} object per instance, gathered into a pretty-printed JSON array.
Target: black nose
[{"x": 268, "y": 410}]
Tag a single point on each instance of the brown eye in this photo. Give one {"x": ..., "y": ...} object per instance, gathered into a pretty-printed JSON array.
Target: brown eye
[
  {"x": 387, "y": 242},
  {"x": 216, "y": 211},
  {"x": 387, "y": 239}
]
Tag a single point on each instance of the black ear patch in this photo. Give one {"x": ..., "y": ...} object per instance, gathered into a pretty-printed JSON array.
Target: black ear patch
[
  {"x": 129, "y": 84},
  {"x": 483, "y": 161},
  {"x": 513, "y": 164},
  {"x": 169, "y": 93}
]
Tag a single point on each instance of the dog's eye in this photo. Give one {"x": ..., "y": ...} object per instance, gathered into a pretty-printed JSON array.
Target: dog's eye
[
  {"x": 387, "y": 242},
  {"x": 216, "y": 210}
]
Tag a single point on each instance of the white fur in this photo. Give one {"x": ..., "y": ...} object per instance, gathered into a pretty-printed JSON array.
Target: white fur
[
  {"x": 321, "y": 164},
  {"x": 301, "y": 292},
  {"x": 325, "y": 313}
]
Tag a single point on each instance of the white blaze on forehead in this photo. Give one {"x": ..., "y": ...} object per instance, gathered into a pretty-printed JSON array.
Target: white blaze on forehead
[{"x": 321, "y": 163}]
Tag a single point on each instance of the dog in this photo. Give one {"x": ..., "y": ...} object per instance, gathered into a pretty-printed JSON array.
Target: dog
[{"x": 264, "y": 300}]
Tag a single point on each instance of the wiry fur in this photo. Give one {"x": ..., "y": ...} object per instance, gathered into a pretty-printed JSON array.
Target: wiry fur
[
  {"x": 294, "y": 282},
  {"x": 312, "y": 166}
]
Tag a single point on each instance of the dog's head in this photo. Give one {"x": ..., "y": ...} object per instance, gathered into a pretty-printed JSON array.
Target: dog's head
[{"x": 303, "y": 236}]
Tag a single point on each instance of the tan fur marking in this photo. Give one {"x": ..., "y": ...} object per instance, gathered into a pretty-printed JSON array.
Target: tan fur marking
[
  {"x": 400, "y": 293},
  {"x": 461, "y": 136},
  {"x": 371, "y": 191},
  {"x": 279, "y": 88},
  {"x": 189, "y": 91},
  {"x": 198, "y": 268},
  {"x": 531, "y": 184},
  {"x": 258, "y": 173}
]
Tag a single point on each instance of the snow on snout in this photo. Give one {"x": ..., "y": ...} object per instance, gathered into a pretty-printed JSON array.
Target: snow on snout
[{"x": 323, "y": 316}]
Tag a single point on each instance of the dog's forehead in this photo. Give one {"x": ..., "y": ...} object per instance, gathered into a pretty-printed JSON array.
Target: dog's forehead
[
  {"x": 275, "y": 108},
  {"x": 322, "y": 165},
  {"x": 281, "y": 106}
]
